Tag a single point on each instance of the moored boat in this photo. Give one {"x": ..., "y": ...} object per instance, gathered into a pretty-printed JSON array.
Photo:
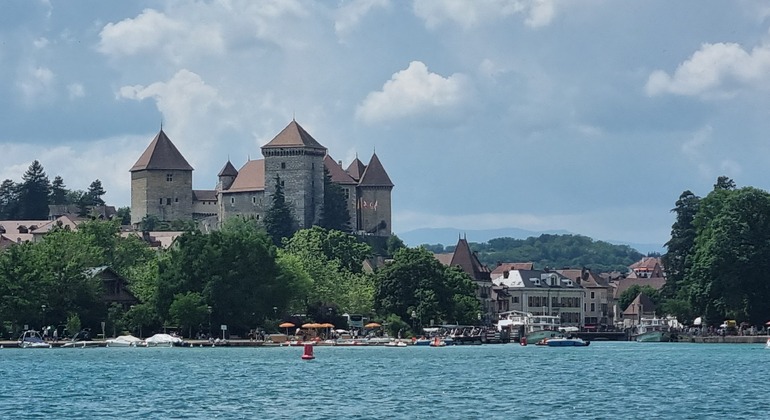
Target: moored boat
[
  {"x": 567, "y": 342},
  {"x": 123, "y": 341},
  {"x": 652, "y": 330},
  {"x": 31, "y": 339}
]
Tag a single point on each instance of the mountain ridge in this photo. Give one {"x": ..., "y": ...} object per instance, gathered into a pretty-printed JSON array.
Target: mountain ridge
[{"x": 449, "y": 236}]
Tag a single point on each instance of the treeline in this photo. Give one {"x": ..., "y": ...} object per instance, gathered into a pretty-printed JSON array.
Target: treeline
[
  {"x": 236, "y": 276},
  {"x": 553, "y": 251},
  {"x": 717, "y": 259},
  {"x": 29, "y": 200}
]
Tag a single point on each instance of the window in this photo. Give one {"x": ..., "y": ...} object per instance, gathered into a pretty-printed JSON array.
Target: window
[
  {"x": 254, "y": 200},
  {"x": 257, "y": 217},
  {"x": 169, "y": 177},
  {"x": 593, "y": 307},
  {"x": 168, "y": 201},
  {"x": 347, "y": 193},
  {"x": 592, "y": 297},
  {"x": 283, "y": 165},
  {"x": 282, "y": 183},
  {"x": 161, "y": 201},
  {"x": 232, "y": 200},
  {"x": 515, "y": 299},
  {"x": 176, "y": 199}
]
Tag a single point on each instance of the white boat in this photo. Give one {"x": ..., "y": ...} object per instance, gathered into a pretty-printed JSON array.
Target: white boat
[
  {"x": 31, "y": 339},
  {"x": 124, "y": 341},
  {"x": 566, "y": 342},
  {"x": 652, "y": 330},
  {"x": 396, "y": 344},
  {"x": 163, "y": 340},
  {"x": 81, "y": 344}
]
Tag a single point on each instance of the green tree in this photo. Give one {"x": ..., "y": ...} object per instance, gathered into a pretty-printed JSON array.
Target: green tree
[
  {"x": 331, "y": 244},
  {"x": 124, "y": 215},
  {"x": 632, "y": 292},
  {"x": 9, "y": 200},
  {"x": 95, "y": 193},
  {"x": 394, "y": 243},
  {"x": 188, "y": 310},
  {"x": 335, "y": 214},
  {"x": 681, "y": 245},
  {"x": 140, "y": 316},
  {"x": 279, "y": 219},
  {"x": 33, "y": 193},
  {"x": 58, "y": 191}
]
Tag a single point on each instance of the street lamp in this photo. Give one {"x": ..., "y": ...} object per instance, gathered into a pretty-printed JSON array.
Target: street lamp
[
  {"x": 42, "y": 307},
  {"x": 414, "y": 321}
]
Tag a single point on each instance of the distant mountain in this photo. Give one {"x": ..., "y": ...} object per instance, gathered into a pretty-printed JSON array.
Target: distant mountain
[{"x": 449, "y": 236}]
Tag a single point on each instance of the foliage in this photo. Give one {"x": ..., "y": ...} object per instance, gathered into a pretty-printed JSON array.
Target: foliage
[
  {"x": 279, "y": 219},
  {"x": 417, "y": 286},
  {"x": 94, "y": 194},
  {"x": 335, "y": 214},
  {"x": 331, "y": 244},
  {"x": 678, "y": 259},
  {"x": 58, "y": 191},
  {"x": 188, "y": 310},
  {"x": 632, "y": 292},
  {"x": 9, "y": 200},
  {"x": 395, "y": 325},
  {"x": 73, "y": 324},
  {"x": 124, "y": 215},
  {"x": 33, "y": 193},
  {"x": 394, "y": 243},
  {"x": 140, "y": 316}
]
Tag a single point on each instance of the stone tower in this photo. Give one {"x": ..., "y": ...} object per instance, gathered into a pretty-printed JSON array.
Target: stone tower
[
  {"x": 298, "y": 159},
  {"x": 161, "y": 183},
  {"x": 374, "y": 189},
  {"x": 226, "y": 176}
]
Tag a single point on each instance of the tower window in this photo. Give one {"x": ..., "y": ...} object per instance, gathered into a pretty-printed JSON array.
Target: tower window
[
  {"x": 232, "y": 200},
  {"x": 282, "y": 183},
  {"x": 161, "y": 201},
  {"x": 283, "y": 165},
  {"x": 169, "y": 177},
  {"x": 254, "y": 200},
  {"x": 347, "y": 193},
  {"x": 168, "y": 201}
]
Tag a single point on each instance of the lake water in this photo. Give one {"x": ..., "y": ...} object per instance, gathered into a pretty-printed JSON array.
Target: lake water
[{"x": 605, "y": 380}]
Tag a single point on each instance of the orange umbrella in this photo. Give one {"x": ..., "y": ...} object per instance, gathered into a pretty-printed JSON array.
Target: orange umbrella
[
  {"x": 310, "y": 325},
  {"x": 286, "y": 325},
  {"x": 327, "y": 325},
  {"x": 372, "y": 325}
]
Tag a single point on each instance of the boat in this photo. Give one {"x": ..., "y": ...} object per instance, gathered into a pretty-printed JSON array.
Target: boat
[
  {"x": 396, "y": 344},
  {"x": 567, "y": 342},
  {"x": 652, "y": 330},
  {"x": 437, "y": 342},
  {"x": 124, "y": 341},
  {"x": 163, "y": 340},
  {"x": 542, "y": 326},
  {"x": 31, "y": 339},
  {"x": 81, "y": 344}
]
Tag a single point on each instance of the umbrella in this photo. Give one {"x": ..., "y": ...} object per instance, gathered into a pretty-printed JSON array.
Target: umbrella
[
  {"x": 286, "y": 325},
  {"x": 327, "y": 325},
  {"x": 372, "y": 325},
  {"x": 310, "y": 325}
]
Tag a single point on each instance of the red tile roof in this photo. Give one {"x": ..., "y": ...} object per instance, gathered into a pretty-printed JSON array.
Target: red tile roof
[
  {"x": 467, "y": 260},
  {"x": 228, "y": 170},
  {"x": 293, "y": 136},
  {"x": 623, "y": 284},
  {"x": 356, "y": 169},
  {"x": 251, "y": 177},
  {"x": 161, "y": 154},
  {"x": 336, "y": 172},
  {"x": 374, "y": 175}
]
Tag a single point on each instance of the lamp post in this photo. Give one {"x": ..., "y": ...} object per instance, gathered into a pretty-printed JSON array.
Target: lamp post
[
  {"x": 42, "y": 308},
  {"x": 414, "y": 321}
]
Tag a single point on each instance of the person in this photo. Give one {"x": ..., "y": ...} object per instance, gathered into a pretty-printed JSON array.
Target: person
[{"x": 55, "y": 335}]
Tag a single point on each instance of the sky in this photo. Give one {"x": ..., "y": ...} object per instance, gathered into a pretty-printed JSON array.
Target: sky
[{"x": 589, "y": 116}]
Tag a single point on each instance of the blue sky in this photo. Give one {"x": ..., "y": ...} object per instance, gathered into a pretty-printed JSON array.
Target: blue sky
[{"x": 590, "y": 116}]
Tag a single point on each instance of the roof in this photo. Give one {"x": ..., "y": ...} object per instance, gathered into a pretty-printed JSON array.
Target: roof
[
  {"x": 524, "y": 279},
  {"x": 251, "y": 177},
  {"x": 161, "y": 154},
  {"x": 467, "y": 260},
  {"x": 587, "y": 277},
  {"x": 640, "y": 305},
  {"x": 374, "y": 175},
  {"x": 336, "y": 172},
  {"x": 293, "y": 136},
  {"x": 356, "y": 169},
  {"x": 228, "y": 170},
  {"x": 63, "y": 221},
  {"x": 503, "y": 267},
  {"x": 445, "y": 258},
  {"x": 204, "y": 195},
  {"x": 646, "y": 264},
  {"x": 623, "y": 284}
]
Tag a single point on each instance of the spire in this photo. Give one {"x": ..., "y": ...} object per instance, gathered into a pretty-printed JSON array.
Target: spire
[
  {"x": 293, "y": 136},
  {"x": 374, "y": 175}
]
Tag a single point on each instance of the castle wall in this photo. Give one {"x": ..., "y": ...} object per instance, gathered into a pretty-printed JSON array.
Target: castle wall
[
  {"x": 373, "y": 209},
  {"x": 301, "y": 171},
  {"x": 165, "y": 194},
  {"x": 247, "y": 203}
]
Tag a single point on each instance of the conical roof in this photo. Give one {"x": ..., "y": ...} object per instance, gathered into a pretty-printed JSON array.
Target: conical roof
[
  {"x": 293, "y": 136},
  {"x": 228, "y": 170},
  {"x": 469, "y": 262},
  {"x": 161, "y": 154},
  {"x": 374, "y": 175},
  {"x": 356, "y": 169}
]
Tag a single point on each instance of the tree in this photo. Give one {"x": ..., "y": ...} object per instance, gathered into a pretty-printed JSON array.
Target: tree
[
  {"x": 33, "y": 193},
  {"x": 724, "y": 183},
  {"x": 332, "y": 244},
  {"x": 9, "y": 200},
  {"x": 141, "y": 315},
  {"x": 188, "y": 310},
  {"x": 279, "y": 219},
  {"x": 394, "y": 243},
  {"x": 59, "y": 191},
  {"x": 632, "y": 292},
  {"x": 95, "y": 193},
  {"x": 681, "y": 245},
  {"x": 335, "y": 214},
  {"x": 124, "y": 215}
]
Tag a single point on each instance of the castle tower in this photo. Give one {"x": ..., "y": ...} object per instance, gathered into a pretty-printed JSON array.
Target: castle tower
[
  {"x": 161, "y": 183},
  {"x": 374, "y": 190},
  {"x": 226, "y": 176},
  {"x": 298, "y": 159}
]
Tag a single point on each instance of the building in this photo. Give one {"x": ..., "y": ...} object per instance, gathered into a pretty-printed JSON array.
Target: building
[
  {"x": 599, "y": 298},
  {"x": 544, "y": 293},
  {"x": 161, "y": 185},
  {"x": 466, "y": 260}
]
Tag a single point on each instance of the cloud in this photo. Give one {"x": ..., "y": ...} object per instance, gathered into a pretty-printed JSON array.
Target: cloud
[
  {"x": 414, "y": 91},
  {"x": 469, "y": 14},
  {"x": 76, "y": 90},
  {"x": 153, "y": 31},
  {"x": 41, "y": 42},
  {"x": 36, "y": 85},
  {"x": 716, "y": 69},
  {"x": 349, "y": 15}
]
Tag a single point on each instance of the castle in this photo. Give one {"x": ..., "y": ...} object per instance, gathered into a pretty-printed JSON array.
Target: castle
[{"x": 161, "y": 185}]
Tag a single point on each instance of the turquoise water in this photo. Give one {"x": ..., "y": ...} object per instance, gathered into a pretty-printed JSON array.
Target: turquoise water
[{"x": 605, "y": 380}]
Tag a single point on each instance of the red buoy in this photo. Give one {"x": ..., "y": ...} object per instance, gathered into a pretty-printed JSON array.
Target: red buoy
[{"x": 308, "y": 355}]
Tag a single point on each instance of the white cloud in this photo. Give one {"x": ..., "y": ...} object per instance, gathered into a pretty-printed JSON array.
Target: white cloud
[
  {"x": 718, "y": 69},
  {"x": 469, "y": 14},
  {"x": 699, "y": 151},
  {"x": 76, "y": 90},
  {"x": 414, "y": 91},
  {"x": 41, "y": 42},
  {"x": 153, "y": 31},
  {"x": 36, "y": 85},
  {"x": 349, "y": 15}
]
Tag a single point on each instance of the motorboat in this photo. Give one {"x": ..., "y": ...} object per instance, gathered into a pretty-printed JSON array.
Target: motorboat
[
  {"x": 437, "y": 342},
  {"x": 81, "y": 344},
  {"x": 566, "y": 342},
  {"x": 396, "y": 344},
  {"x": 163, "y": 340},
  {"x": 31, "y": 339},
  {"x": 124, "y": 341},
  {"x": 652, "y": 330}
]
